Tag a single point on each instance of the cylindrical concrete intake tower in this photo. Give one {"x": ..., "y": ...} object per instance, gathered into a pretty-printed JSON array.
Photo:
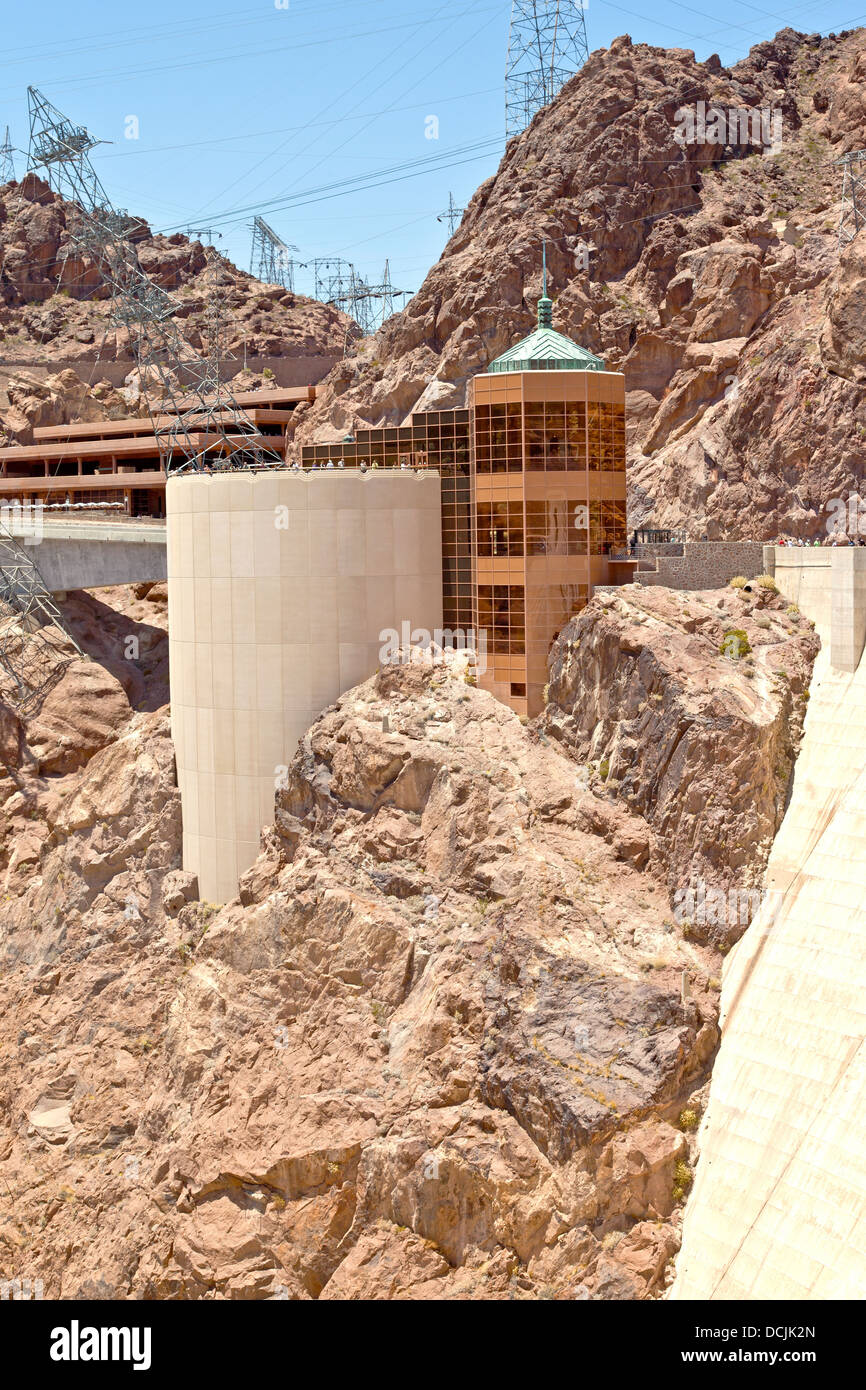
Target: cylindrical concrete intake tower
[{"x": 280, "y": 585}]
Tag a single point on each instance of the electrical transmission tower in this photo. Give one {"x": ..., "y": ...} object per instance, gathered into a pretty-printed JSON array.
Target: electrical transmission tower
[
  {"x": 346, "y": 289},
  {"x": 852, "y": 214},
  {"x": 7, "y": 161},
  {"x": 28, "y": 657},
  {"x": 213, "y": 335},
  {"x": 271, "y": 260},
  {"x": 385, "y": 293},
  {"x": 205, "y": 234},
  {"x": 324, "y": 269},
  {"x": 451, "y": 215},
  {"x": 337, "y": 282},
  {"x": 546, "y": 46},
  {"x": 194, "y": 427},
  {"x": 369, "y": 305}
]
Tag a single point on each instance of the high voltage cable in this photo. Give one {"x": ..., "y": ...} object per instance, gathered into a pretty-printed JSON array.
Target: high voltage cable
[
  {"x": 234, "y": 219},
  {"x": 172, "y": 31},
  {"x": 786, "y": 14},
  {"x": 342, "y": 186},
  {"x": 471, "y": 39},
  {"x": 725, "y": 29},
  {"x": 363, "y": 78},
  {"x": 135, "y": 37},
  {"x": 690, "y": 9},
  {"x": 309, "y": 125},
  {"x": 232, "y": 57}
]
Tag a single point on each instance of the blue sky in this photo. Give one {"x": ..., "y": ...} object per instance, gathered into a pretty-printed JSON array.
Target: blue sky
[{"x": 241, "y": 105}]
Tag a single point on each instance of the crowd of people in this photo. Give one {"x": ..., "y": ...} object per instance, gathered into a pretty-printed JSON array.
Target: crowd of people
[{"x": 834, "y": 539}]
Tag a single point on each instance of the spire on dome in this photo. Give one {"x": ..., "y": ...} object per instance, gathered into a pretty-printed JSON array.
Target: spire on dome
[{"x": 545, "y": 305}]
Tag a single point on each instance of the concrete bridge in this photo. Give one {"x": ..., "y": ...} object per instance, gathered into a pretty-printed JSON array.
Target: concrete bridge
[{"x": 97, "y": 554}]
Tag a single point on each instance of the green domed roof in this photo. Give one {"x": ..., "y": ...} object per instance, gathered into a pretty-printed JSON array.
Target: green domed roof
[{"x": 545, "y": 349}]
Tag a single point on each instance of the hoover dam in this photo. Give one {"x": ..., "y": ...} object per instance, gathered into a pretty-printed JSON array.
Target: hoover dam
[{"x": 778, "y": 1209}]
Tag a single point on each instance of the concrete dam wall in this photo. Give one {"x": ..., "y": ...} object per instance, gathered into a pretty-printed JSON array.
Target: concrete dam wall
[
  {"x": 778, "y": 1209},
  {"x": 279, "y": 588}
]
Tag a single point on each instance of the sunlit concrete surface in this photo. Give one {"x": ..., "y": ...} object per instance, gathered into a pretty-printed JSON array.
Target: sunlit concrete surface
[
  {"x": 96, "y": 555},
  {"x": 829, "y": 584},
  {"x": 279, "y": 586},
  {"x": 778, "y": 1209}
]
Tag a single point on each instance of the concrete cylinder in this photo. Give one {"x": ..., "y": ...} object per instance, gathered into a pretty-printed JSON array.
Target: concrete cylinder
[{"x": 280, "y": 586}]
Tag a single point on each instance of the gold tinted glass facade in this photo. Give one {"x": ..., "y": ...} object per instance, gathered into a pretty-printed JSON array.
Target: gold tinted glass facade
[
  {"x": 533, "y": 505},
  {"x": 549, "y": 485}
]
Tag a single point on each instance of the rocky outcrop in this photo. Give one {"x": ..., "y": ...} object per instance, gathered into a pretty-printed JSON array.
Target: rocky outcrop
[
  {"x": 450, "y": 1041},
  {"x": 439, "y": 1046},
  {"x": 688, "y": 709},
  {"x": 59, "y": 399},
  {"x": 53, "y": 305},
  {"x": 843, "y": 332},
  {"x": 713, "y": 271},
  {"x": 86, "y": 707}
]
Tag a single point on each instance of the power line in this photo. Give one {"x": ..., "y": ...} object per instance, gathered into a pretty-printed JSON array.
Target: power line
[
  {"x": 386, "y": 60},
  {"x": 308, "y": 125},
  {"x": 360, "y": 182},
  {"x": 172, "y": 33},
  {"x": 230, "y": 56}
]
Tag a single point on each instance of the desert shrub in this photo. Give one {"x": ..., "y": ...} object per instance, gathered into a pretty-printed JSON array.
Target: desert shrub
[
  {"x": 762, "y": 620},
  {"x": 735, "y": 644},
  {"x": 682, "y": 1180},
  {"x": 688, "y": 1119},
  {"x": 766, "y": 581},
  {"x": 604, "y": 769},
  {"x": 739, "y": 581}
]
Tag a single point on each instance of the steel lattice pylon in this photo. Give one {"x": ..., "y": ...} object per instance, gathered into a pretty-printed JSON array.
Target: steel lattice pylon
[
  {"x": 350, "y": 291},
  {"x": 7, "y": 160},
  {"x": 27, "y": 656},
  {"x": 196, "y": 426},
  {"x": 451, "y": 215},
  {"x": 546, "y": 46},
  {"x": 852, "y": 213},
  {"x": 271, "y": 259}
]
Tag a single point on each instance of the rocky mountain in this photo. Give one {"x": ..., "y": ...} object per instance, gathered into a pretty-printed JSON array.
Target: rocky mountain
[
  {"x": 53, "y": 304},
  {"x": 703, "y": 265},
  {"x": 692, "y": 704},
  {"x": 450, "y": 1040}
]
